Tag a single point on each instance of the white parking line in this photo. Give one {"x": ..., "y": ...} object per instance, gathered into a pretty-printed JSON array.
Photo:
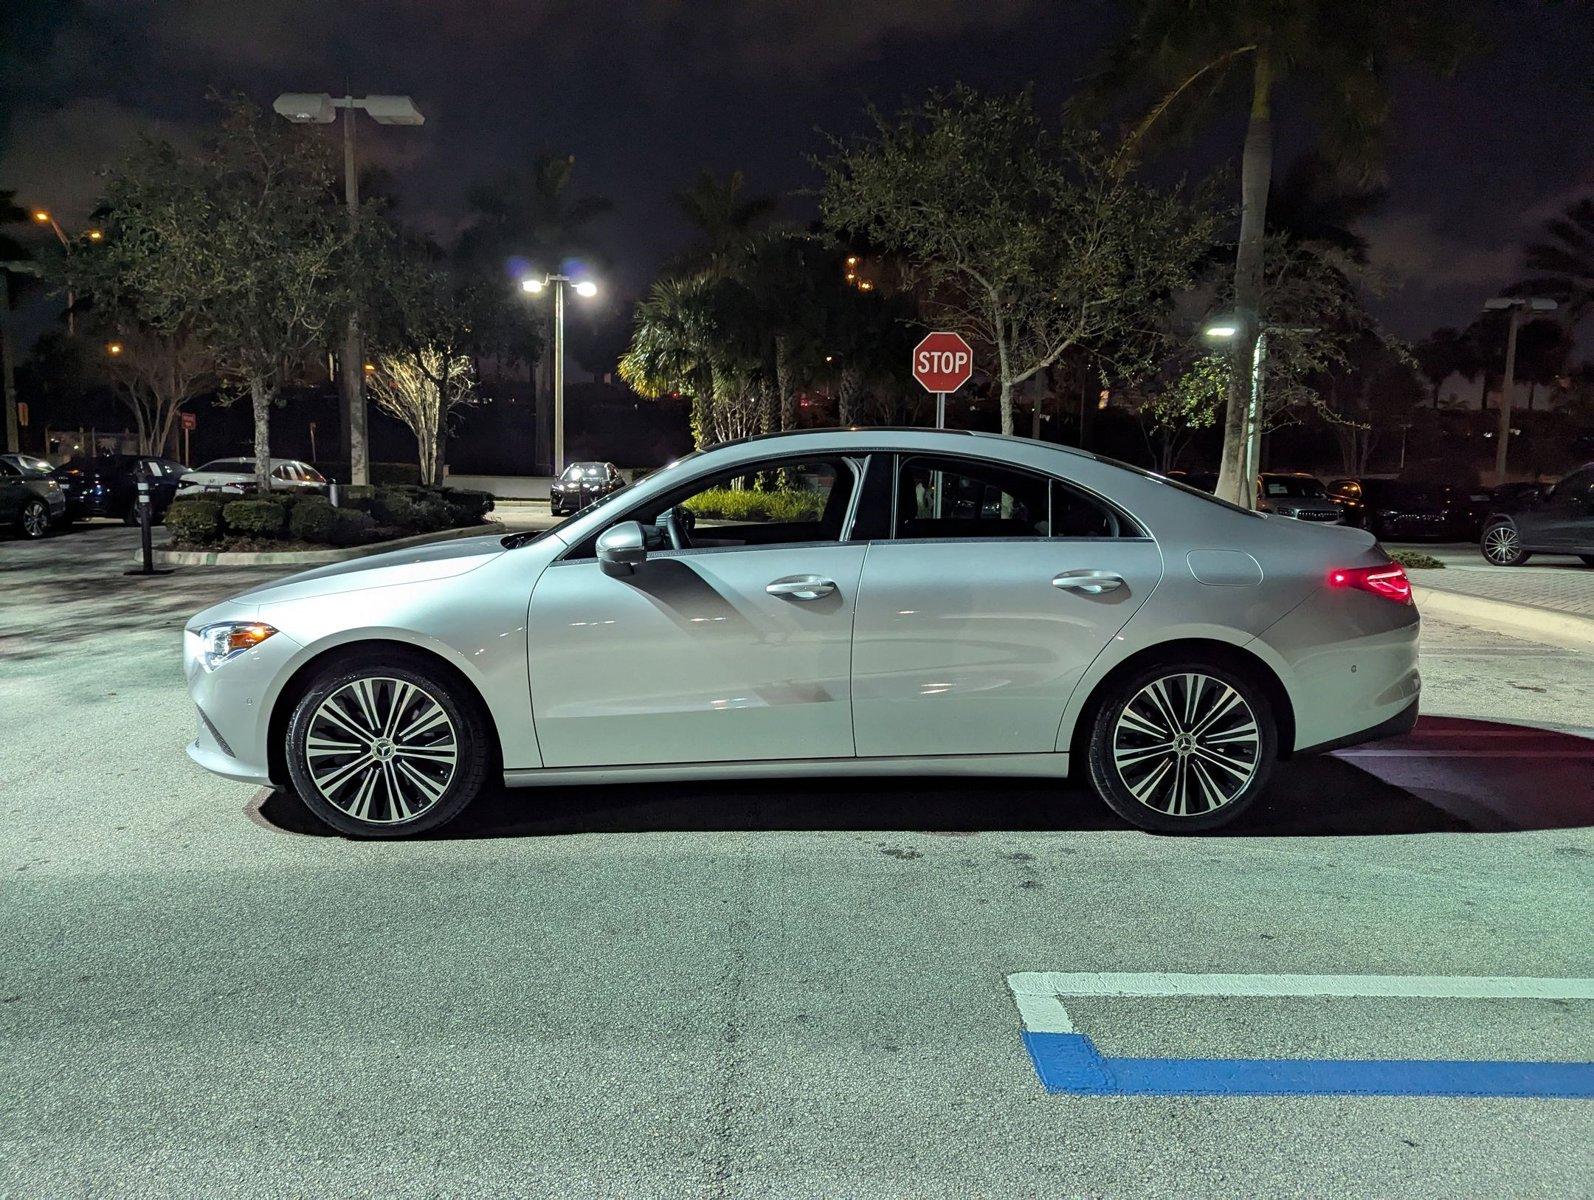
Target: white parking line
[{"x": 1038, "y": 993}]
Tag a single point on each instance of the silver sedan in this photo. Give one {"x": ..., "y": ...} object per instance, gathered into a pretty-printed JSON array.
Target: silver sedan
[{"x": 830, "y": 603}]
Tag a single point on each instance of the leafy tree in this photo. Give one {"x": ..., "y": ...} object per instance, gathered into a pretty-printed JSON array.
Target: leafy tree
[
  {"x": 1020, "y": 238},
  {"x": 155, "y": 373},
  {"x": 423, "y": 389},
  {"x": 1373, "y": 390},
  {"x": 1341, "y": 54},
  {"x": 1170, "y": 416},
  {"x": 871, "y": 338},
  {"x": 238, "y": 246},
  {"x": 13, "y": 254},
  {"x": 1565, "y": 257},
  {"x": 724, "y": 221},
  {"x": 791, "y": 277}
]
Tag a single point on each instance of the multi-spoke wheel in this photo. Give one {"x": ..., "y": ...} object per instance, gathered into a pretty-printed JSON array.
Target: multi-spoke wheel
[
  {"x": 1502, "y": 545},
  {"x": 1182, "y": 746},
  {"x": 34, "y": 520},
  {"x": 384, "y": 748}
]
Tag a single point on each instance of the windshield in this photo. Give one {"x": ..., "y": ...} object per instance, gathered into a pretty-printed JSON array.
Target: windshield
[
  {"x": 577, "y": 471},
  {"x": 1291, "y": 486}
]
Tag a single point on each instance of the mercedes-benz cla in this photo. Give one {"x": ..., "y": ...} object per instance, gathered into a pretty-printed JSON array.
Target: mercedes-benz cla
[{"x": 838, "y": 603}]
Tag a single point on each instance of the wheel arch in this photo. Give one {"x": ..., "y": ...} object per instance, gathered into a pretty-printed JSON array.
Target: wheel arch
[
  {"x": 304, "y": 676},
  {"x": 1236, "y": 658}
]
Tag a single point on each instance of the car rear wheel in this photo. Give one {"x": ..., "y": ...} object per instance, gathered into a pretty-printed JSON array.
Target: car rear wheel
[
  {"x": 1502, "y": 545},
  {"x": 34, "y": 519},
  {"x": 386, "y": 747},
  {"x": 1182, "y": 747}
]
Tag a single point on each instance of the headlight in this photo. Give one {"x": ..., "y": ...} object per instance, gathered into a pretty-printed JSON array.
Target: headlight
[{"x": 218, "y": 643}]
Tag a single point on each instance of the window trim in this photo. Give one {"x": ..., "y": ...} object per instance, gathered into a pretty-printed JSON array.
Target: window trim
[
  {"x": 1088, "y": 493},
  {"x": 855, "y": 461}
]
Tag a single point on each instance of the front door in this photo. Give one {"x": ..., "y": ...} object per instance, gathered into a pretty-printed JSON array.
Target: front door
[
  {"x": 735, "y": 646},
  {"x": 1566, "y": 518},
  {"x": 979, "y": 617}
]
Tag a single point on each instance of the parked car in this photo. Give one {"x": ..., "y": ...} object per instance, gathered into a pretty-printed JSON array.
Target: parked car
[
  {"x": 1510, "y": 493},
  {"x": 106, "y": 485},
  {"x": 1557, "y": 520},
  {"x": 1394, "y": 511},
  {"x": 30, "y": 499},
  {"x": 228, "y": 478},
  {"x": 1297, "y": 494},
  {"x": 581, "y": 483},
  {"x": 1285, "y": 493},
  {"x": 1162, "y": 644}
]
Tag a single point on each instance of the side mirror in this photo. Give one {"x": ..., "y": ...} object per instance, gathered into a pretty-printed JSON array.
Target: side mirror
[{"x": 620, "y": 548}]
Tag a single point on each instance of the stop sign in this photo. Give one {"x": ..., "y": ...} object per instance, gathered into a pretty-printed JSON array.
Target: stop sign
[{"x": 942, "y": 362}]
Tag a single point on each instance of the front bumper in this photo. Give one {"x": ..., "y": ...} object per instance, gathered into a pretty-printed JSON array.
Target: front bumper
[{"x": 235, "y": 702}]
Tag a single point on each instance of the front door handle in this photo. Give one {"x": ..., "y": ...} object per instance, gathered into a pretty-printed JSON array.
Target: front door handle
[
  {"x": 1092, "y": 583},
  {"x": 801, "y": 587}
]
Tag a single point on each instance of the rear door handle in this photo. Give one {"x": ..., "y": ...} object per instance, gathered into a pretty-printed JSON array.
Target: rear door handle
[
  {"x": 1092, "y": 583},
  {"x": 801, "y": 587}
]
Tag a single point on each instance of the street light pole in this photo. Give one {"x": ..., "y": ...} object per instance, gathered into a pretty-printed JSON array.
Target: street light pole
[
  {"x": 320, "y": 108},
  {"x": 45, "y": 218},
  {"x": 585, "y": 288},
  {"x": 1518, "y": 305}
]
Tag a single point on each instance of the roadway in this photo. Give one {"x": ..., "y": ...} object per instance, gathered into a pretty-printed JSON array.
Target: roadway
[{"x": 754, "y": 989}]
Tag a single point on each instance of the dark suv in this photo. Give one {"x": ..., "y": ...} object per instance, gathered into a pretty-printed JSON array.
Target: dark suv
[
  {"x": 107, "y": 485},
  {"x": 1558, "y": 520},
  {"x": 581, "y": 484}
]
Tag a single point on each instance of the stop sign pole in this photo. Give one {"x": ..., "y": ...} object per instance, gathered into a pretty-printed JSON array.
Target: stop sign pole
[{"x": 942, "y": 363}]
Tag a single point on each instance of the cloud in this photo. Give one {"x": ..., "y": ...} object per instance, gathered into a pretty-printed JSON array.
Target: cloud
[
  {"x": 55, "y": 158},
  {"x": 1413, "y": 248}
]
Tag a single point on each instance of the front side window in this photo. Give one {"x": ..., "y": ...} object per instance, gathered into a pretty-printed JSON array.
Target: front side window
[
  {"x": 954, "y": 498},
  {"x": 777, "y": 503}
]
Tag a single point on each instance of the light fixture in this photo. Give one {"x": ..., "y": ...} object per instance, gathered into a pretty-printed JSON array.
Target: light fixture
[
  {"x": 1221, "y": 331},
  {"x": 586, "y": 288},
  {"x": 113, "y": 348},
  {"x": 531, "y": 285},
  {"x": 40, "y": 215}
]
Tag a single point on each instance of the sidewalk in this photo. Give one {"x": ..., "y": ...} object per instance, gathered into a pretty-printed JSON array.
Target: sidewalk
[{"x": 1550, "y": 595}]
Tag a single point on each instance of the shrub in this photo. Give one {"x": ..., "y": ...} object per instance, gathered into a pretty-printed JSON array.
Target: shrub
[
  {"x": 467, "y": 506},
  {"x": 312, "y": 519},
  {"x": 725, "y": 504},
  {"x": 196, "y": 521},
  {"x": 350, "y": 527},
  {"x": 1415, "y": 560},
  {"x": 393, "y": 506},
  {"x": 395, "y": 473},
  {"x": 254, "y": 518}
]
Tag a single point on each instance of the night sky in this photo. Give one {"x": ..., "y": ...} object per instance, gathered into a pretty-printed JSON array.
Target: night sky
[{"x": 645, "y": 92}]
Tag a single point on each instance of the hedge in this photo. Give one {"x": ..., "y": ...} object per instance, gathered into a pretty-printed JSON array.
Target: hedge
[
  {"x": 1415, "y": 560},
  {"x": 312, "y": 519},
  {"x": 194, "y": 521},
  {"x": 254, "y": 518},
  {"x": 753, "y": 505}
]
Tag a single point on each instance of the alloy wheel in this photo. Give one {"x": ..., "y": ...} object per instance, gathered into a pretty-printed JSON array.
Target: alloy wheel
[
  {"x": 381, "y": 750},
  {"x": 1186, "y": 744},
  {"x": 35, "y": 520},
  {"x": 1501, "y": 545}
]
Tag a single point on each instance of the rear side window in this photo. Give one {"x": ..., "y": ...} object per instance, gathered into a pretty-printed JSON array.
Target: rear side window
[{"x": 955, "y": 498}]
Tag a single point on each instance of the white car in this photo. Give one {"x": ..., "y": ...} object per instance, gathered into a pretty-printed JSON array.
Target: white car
[
  {"x": 236, "y": 476},
  {"x": 920, "y": 603}
]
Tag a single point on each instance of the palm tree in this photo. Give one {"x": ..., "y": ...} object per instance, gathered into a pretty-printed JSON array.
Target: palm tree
[
  {"x": 1314, "y": 203},
  {"x": 1340, "y": 52},
  {"x": 530, "y": 219},
  {"x": 673, "y": 346},
  {"x": 1565, "y": 256},
  {"x": 792, "y": 277},
  {"x": 723, "y": 220}
]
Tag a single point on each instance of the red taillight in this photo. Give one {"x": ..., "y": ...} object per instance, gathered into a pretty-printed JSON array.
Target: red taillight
[{"x": 1388, "y": 581}]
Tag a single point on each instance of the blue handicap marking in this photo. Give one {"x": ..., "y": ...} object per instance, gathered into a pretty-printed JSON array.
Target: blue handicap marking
[{"x": 1067, "y": 1061}]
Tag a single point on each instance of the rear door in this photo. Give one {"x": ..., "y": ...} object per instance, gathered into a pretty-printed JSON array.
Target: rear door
[
  {"x": 979, "y": 614},
  {"x": 1566, "y": 519}
]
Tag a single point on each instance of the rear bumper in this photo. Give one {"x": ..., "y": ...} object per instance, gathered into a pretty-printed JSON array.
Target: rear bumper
[{"x": 1402, "y": 722}]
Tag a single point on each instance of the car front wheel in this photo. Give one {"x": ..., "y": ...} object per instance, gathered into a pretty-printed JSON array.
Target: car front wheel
[
  {"x": 1502, "y": 545},
  {"x": 1182, "y": 747},
  {"x": 386, "y": 747},
  {"x": 34, "y": 519}
]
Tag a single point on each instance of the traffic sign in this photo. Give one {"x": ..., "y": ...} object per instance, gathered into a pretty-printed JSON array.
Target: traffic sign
[
  {"x": 190, "y": 421},
  {"x": 942, "y": 362}
]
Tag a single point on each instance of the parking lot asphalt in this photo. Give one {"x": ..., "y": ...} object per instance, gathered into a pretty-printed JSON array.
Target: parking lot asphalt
[{"x": 754, "y": 989}]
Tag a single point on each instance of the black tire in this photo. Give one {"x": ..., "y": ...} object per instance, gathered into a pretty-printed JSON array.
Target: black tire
[
  {"x": 1223, "y": 769},
  {"x": 335, "y": 795},
  {"x": 33, "y": 522},
  {"x": 1501, "y": 545}
]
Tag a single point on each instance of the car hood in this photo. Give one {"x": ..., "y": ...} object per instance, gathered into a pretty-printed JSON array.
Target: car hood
[{"x": 415, "y": 564}]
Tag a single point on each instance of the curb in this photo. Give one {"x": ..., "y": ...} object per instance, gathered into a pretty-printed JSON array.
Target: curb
[
  {"x": 1524, "y": 619},
  {"x": 283, "y": 558}
]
